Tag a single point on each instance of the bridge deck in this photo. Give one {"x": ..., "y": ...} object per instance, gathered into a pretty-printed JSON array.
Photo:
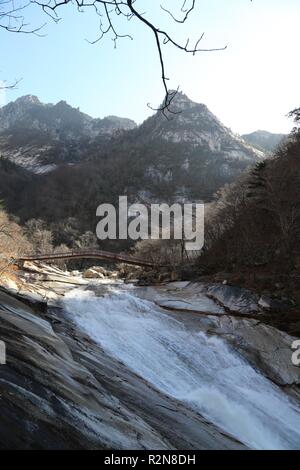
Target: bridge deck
[{"x": 103, "y": 255}]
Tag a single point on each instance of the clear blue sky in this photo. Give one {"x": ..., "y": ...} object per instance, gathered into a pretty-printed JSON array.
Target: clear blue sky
[{"x": 251, "y": 85}]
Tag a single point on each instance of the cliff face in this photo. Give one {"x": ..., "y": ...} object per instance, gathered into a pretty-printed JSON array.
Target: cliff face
[{"x": 193, "y": 123}]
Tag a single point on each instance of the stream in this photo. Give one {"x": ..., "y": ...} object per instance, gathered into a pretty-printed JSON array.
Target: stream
[{"x": 203, "y": 372}]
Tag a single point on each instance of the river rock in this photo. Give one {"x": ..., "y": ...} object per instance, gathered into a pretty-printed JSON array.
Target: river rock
[
  {"x": 61, "y": 390},
  {"x": 96, "y": 272},
  {"x": 234, "y": 299},
  {"x": 267, "y": 348},
  {"x": 43, "y": 273},
  {"x": 214, "y": 299},
  {"x": 183, "y": 296}
]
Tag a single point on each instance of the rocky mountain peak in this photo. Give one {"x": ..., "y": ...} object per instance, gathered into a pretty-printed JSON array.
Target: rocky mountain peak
[
  {"x": 182, "y": 102},
  {"x": 63, "y": 104},
  {"x": 27, "y": 100},
  {"x": 192, "y": 123},
  {"x": 186, "y": 157},
  {"x": 29, "y": 113},
  {"x": 39, "y": 137}
]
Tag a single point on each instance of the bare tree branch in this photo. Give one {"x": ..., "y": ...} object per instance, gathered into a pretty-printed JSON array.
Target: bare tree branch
[
  {"x": 183, "y": 10},
  {"x": 108, "y": 10},
  {"x": 12, "y": 20},
  {"x": 12, "y": 86}
]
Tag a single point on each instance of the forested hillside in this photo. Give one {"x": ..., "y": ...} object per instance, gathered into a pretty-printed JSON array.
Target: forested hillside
[
  {"x": 253, "y": 227},
  {"x": 58, "y": 164}
]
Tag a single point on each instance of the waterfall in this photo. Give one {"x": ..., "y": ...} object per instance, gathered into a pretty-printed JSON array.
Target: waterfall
[{"x": 202, "y": 372}]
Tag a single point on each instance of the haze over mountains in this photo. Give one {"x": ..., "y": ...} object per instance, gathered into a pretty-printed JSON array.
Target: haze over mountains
[{"x": 58, "y": 163}]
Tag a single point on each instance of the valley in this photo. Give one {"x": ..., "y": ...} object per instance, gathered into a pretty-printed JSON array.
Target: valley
[
  {"x": 182, "y": 350},
  {"x": 50, "y": 150}
]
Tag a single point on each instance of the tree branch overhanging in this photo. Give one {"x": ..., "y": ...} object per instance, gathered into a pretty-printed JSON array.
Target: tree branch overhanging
[
  {"x": 109, "y": 10},
  {"x": 12, "y": 17}
]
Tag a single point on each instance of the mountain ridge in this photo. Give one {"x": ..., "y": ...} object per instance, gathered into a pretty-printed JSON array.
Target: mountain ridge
[
  {"x": 186, "y": 158},
  {"x": 39, "y": 137},
  {"x": 30, "y": 107},
  {"x": 264, "y": 140},
  {"x": 194, "y": 123}
]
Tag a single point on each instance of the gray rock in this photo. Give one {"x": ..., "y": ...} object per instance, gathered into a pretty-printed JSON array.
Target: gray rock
[
  {"x": 95, "y": 273},
  {"x": 59, "y": 390},
  {"x": 214, "y": 299},
  {"x": 267, "y": 348},
  {"x": 182, "y": 296},
  {"x": 234, "y": 299}
]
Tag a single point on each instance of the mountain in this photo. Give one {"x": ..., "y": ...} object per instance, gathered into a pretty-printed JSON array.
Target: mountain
[
  {"x": 263, "y": 140},
  {"x": 187, "y": 157},
  {"x": 190, "y": 154},
  {"x": 39, "y": 137},
  {"x": 193, "y": 123}
]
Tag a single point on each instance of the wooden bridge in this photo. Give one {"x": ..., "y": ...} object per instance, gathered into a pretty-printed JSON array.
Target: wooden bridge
[{"x": 103, "y": 255}]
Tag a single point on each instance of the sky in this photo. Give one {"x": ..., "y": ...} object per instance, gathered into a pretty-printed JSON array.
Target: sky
[{"x": 251, "y": 85}]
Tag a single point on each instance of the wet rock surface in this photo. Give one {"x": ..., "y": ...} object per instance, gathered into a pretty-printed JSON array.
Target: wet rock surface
[
  {"x": 61, "y": 390},
  {"x": 220, "y": 309},
  {"x": 234, "y": 299},
  {"x": 214, "y": 299}
]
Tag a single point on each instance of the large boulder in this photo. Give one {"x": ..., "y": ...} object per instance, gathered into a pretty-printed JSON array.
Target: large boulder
[
  {"x": 96, "y": 272},
  {"x": 236, "y": 300}
]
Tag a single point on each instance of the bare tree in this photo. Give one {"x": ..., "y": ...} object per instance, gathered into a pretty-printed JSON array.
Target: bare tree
[{"x": 12, "y": 241}]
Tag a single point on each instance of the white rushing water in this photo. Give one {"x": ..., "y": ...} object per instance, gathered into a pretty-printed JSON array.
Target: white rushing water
[{"x": 200, "y": 371}]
